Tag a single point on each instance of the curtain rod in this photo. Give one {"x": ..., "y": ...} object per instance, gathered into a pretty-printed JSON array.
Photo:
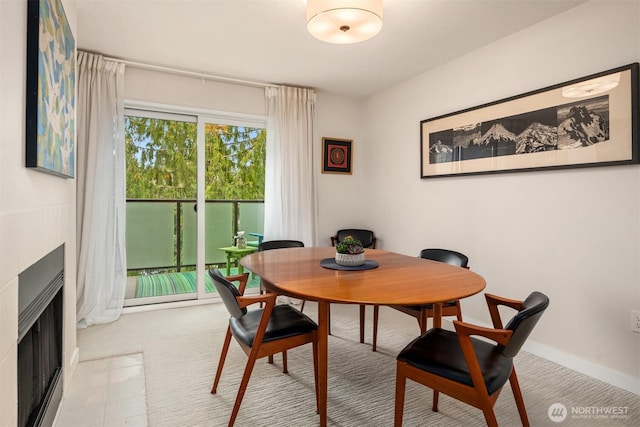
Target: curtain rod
[{"x": 187, "y": 73}]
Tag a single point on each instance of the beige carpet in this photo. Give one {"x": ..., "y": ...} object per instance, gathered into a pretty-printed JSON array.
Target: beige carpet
[{"x": 181, "y": 347}]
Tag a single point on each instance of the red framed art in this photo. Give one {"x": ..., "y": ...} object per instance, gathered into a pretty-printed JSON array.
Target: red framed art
[{"x": 336, "y": 155}]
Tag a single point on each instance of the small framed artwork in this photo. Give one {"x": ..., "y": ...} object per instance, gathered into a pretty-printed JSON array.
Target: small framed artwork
[
  {"x": 336, "y": 155},
  {"x": 591, "y": 121},
  {"x": 50, "y": 97}
]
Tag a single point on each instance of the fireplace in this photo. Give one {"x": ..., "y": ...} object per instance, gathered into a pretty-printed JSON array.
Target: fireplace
[{"x": 40, "y": 305}]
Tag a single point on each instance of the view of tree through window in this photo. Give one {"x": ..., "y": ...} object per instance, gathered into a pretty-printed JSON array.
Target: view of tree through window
[
  {"x": 161, "y": 160},
  {"x": 235, "y": 159}
]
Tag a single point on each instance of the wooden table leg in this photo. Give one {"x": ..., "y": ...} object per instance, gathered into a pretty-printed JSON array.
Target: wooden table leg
[
  {"x": 323, "y": 356},
  {"x": 437, "y": 315}
]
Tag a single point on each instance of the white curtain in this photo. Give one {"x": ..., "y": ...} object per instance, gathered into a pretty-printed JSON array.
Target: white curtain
[
  {"x": 101, "y": 275},
  {"x": 290, "y": 199}
]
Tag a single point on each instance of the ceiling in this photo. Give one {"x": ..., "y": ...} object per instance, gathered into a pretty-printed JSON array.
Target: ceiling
[{"x": 267, "y": 40}]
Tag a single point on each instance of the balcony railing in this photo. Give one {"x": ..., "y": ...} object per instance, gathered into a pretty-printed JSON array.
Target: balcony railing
[{"x": 161, "y": 234}]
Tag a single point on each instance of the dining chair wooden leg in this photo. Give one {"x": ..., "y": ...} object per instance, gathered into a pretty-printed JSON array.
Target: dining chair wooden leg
[
  {"x": 489, "y": 415},
  {"x": 223, "y": 357},
  {"x": 328, "y": 319},
  {"x": 459, "y": 307},
  {"x": 517, "y": 395},
  {"x": 251, "y": 361},
  {"x": 284, "y": 363},
  {"x": 401, "y": 382},
  {"x": 302, "y": 306},
  {"x": 434, "y": 405},
  {"x": 270, "y": 359},
  {"x": 486, "y": 405},
  {"x": 424, "y": 316},
  {"x": 376, "y": 312},
  {"x": 362, "y": 314}
]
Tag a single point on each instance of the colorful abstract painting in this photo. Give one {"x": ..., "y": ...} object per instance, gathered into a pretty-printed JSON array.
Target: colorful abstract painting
[{"x": 51, "y": 77}]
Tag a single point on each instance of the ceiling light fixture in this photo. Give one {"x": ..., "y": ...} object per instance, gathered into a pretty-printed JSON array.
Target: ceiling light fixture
[
  {"x": 592, "y": 87},
  {"x": 344, "y": 21}
]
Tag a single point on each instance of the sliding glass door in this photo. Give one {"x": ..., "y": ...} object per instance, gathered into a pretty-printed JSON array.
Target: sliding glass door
[
  {"x": 233, "y": 177},
  {"x": 193, "y": 181},
  {"x": 161, "y": 181}
]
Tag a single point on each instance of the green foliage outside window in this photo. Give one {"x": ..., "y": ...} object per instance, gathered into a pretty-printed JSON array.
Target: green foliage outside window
[{"x": 161, "y": 160}]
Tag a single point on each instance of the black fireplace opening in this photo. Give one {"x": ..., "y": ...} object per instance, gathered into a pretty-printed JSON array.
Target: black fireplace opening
[{"x": 40, "y": 320}]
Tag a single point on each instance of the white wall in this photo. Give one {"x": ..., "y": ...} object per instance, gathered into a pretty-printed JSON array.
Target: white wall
[
  {"x": 164, "y": 88},
  {"x": 572, "y": 234},
  {"x": 37, "y": 211},
  {"x": 340, "y": 195}
]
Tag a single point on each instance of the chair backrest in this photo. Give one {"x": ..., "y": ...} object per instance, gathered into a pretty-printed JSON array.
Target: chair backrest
[
  {"x": 280, "y": 244},
  {"x": 524, "y": 321},
  {"x": 228, "y": 293},
  {"x": 446, "y": 256},
  {"x": 366, "y": 237}
]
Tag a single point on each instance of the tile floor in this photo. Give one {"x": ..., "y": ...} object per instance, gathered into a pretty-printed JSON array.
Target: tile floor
[{"x": 106, "y": 392}]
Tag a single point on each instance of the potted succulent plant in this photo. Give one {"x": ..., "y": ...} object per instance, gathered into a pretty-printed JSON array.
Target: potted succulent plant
[{"x": 349, "y": 252}]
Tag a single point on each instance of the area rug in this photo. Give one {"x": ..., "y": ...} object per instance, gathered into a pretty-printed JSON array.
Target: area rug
[
  {"x": 181, "y": 347},
  {"x": 154, "y": 285}
]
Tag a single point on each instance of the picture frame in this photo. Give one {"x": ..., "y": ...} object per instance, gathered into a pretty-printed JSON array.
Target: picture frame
[
  {"x": 586, "y": 122},
  {"x": 51, "y": 87},
  {"x": 336, "y": 155}
]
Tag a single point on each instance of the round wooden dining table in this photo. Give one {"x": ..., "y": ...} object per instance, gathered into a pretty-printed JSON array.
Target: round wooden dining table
[{"x": 396, "y": 280}]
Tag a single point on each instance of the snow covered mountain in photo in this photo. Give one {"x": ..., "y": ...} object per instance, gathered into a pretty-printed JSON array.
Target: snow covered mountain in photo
[
  {"x": 497, "y": 134},
  {"x": 582, "y": 128},
  {"x": 537, "y": 137},
  {"x": 497, "y": 141}
]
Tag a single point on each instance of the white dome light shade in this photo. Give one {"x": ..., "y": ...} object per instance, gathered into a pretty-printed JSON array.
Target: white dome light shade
[
  {"x": 344, "y": 21},
  {"x": 592, "y": 87}
]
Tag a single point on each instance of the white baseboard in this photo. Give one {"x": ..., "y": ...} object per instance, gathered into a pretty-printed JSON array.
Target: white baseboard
[
  {"x": 578, "y": 364},
  {"x": 168, "y": 305}
]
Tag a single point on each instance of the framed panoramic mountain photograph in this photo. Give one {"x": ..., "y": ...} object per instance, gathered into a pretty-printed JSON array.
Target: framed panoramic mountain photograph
[{"x": 591, "y": 121}]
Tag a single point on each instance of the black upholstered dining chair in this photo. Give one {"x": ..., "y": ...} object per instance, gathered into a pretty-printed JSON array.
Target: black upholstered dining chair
[
  {"x": 366, "y": 237},
  {"x": 472, "y": 370},
  {"x": 279, "y": 244},
  {"x": 368, "y": 240},
  {"x": 423, "y": 312},
  {"x": 260, "y": 332}
]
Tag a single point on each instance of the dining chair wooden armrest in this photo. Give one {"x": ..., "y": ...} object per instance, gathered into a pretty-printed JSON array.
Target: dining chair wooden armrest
[
  {"x": 494, "y": 301},
  {"x": 466, "y": 330},
  {"x": 268, "y": 299},
  {"x": 242, "y": 278}
]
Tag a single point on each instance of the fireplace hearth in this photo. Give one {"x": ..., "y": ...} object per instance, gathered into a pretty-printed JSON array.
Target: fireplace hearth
[{"x": 40, "y": 305}]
